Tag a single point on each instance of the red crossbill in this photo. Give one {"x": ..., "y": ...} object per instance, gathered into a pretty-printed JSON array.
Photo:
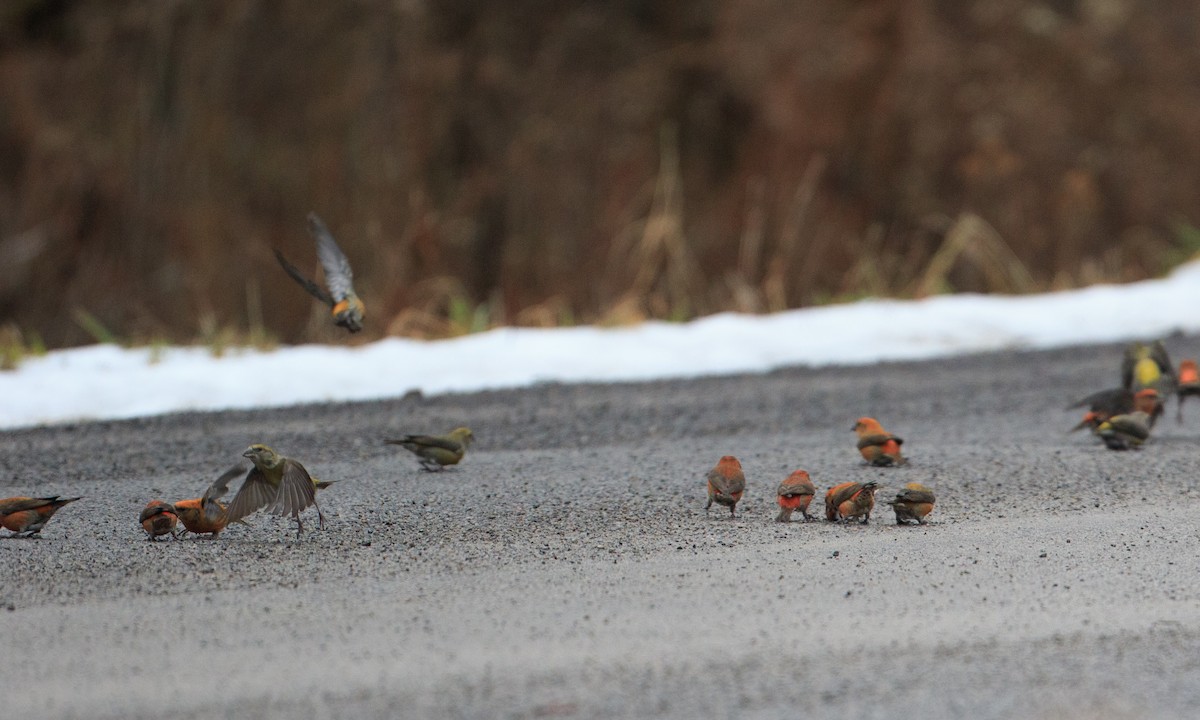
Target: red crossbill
[
  {"x": 205, "y": 515},
  {"x": 29, "y": 515},
  {"x": 795, "y": 493},
  {"x": 437, "y": 451},
  {"x": 876, "y": 445},
  {"x": 1189, "y": 384},
  {"x": 1124, "y": 432},
  {"x": 850, "y": 500},
  {"x": 726, "y": 483},
  {"x": 158, "y": 518},
  {"x": 345, "y": 306},
  {"x": 279, "y": 484},
  {"x": 913, "y": 502}
]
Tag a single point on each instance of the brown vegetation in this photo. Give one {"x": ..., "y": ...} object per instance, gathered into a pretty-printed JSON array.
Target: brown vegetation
[{"x": 541, "y": 162}]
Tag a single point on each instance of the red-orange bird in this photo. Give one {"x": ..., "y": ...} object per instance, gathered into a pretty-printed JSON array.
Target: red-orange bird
[
  {"x": 850, "y": 500},
  {"x": 877, "y": 446},
  {"x": 29, "y": 515},
  {"x": 795, "y": 493},
  {"x": 205, "y": 515},
  {"x": 726, "y": 483},
  {"x": 1189, "y": 384},
  {"x": 914, "y": 502},
  {"x": 158, "y": 518}
]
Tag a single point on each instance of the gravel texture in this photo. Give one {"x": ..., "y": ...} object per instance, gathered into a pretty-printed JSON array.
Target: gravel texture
[{"x": 567, "y": 567}]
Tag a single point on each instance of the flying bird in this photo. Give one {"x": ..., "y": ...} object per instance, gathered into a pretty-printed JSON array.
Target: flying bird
[
  {"x": 345, "y": 306},
  {"x": 913, "y": 502},
  {"x": 437, "y": 451},
  {"x": 279, "y": 484},
  {"x": 876, "y": 445},
  {"x": 30, "y": 515},
  {"x": 726, "y": 483},
  {"x": 795, "y": 493},
  {"x": 158, "y": 518}
]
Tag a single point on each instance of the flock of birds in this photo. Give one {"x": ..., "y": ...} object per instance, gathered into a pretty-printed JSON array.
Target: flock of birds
[{"x": 1122, "y": 417}]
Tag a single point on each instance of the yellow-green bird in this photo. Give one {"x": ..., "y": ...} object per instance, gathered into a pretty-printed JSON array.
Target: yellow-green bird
[
  {"x": 279, "y": 484},
  {"x": 1125, "y": 432},
  {"x": 437, "y": 451},
  {"x": 346, "y": 308}
]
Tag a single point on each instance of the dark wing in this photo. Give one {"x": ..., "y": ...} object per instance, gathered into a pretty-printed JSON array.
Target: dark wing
[
  {"x": 256, "y": 492},
  {"x": 296, "y": 490},
  {"x": 1134, "y": 425},
  {"x": 1158, "y": 353},
  {"x": 914, "y": 496},
  {"x": 220, "y": 486},
  {"x": 1113, "y": 401},
  {"x": 338, "y": 276},
  {"x": 1133, "y": 353},
  {"x": 153, "y": 510},
  {"x": 430, "y": 441},
  {"x": 876, "y": 439},
  {"x": 313, "y": 289},
  {"x": 12, "y": 506}
]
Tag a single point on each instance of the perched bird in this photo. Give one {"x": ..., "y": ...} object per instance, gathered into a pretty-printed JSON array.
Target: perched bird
[
  {"x": 795, "y": 493},
  {"x": 346, "y": 308},
  {"x": 850, "y": 500},
  {"x": 913, "y": 502},
  {"x": 1124, "y": 432},
  {"x": 30, "y": 515},
  {"x": 158, "y": 518},
  {"x": 726, "y": 483},
  {"x": 876, "y": 445},
  {"x": 437, "y": 451},
  {"x": 1189, "y": 385},
  {"x": 279, "y": 484},
  {"x": 205, "y": 515}
]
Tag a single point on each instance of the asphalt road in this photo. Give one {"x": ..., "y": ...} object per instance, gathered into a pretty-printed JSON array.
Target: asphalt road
[{"x": 567, "y": 567}]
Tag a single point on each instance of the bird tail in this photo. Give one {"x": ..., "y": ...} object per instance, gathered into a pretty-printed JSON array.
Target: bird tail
[{"x": 785, "y": 515}]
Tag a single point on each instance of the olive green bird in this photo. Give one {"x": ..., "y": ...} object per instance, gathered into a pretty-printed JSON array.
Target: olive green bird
[
  {"x": 346, "y": 308},
  {"x": 437, "y": 451},
  {"x": 279, "y": 484},
  {"x": 1125, "y": 432}
]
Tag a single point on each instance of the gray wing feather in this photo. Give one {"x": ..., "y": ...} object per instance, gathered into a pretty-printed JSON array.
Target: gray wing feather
[
  {"x": 255, "y": 493},
  {"x": 296, "y": 491},
  {"x": 338, "y": 276}
]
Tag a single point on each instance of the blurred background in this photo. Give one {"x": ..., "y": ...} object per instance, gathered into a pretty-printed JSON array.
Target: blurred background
[{"x": 540, "y": 163}]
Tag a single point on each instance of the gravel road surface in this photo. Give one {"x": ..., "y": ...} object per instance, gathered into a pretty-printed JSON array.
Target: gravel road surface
[{"x": 567, "y": 568}]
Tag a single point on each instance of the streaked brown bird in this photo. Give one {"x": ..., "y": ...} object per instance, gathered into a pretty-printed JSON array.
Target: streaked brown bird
[
  {"x": 437, "y": 451},
  {"x": 206, "y": 515},
  {"x": 1125, "y": 432},
  {"x": 158, "y": 518},
  {"x": 876, "y": 445},
  {"x": 30, "y": 515},
  {"x": 279, "y": 484},
  {"x": 1189, "y": 385},
  {"x": 795, "y": 493},
  {"x": 345, "y": 306},
  {"x": 913, "y": 502},
  {"x": 726, "y": 483},
  {"x": 850, "y": 500}
]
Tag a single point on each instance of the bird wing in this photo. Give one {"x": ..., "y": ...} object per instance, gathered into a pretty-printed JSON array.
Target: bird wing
[
  {"x": 150, "y": 512},
  {"x": 727, "y": 485},
  {"x": 1113, "y": 401},
  {"x": 313, "y": 289},
  {"x": 877, "y": 439},
  {"x": 431, "y": 441},
  {"x": 220, "y": 486},
  {"x": 19, "y": 504},
  {"x": 1133, "y": 353},
  {"x": 338, "y": 276},
  {"x": 296, "y": 490},
  {"x": 1158, "y": 353},
  {"x": 256, "y": 492},
  {"x": 908, "y": 495},
  {"x": 1134, "y": 425},
  {"x": 788, "y": 489}
]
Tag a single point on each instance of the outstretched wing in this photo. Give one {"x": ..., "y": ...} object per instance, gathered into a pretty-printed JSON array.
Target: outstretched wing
[
  {"x": 256, "y": 492},
  {"x": 212, "y": 509},
  {"x": 313, "y": 289},
  {"x": 296, "y": 490},
  {"x": 338, "y": 276}
]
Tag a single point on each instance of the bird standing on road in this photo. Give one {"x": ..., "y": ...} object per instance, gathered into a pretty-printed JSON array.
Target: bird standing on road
[
  {"x": 30, "y": 515},
  {"x": 279, "y": 484},
  {"x": 726, "y": 483},
  {"x": 1189, "y": 385},
  {"x": 795, "y": 493},
  {"x": 876, "y": 445},
  {"x": 913, "y": 502},
  {"x": 345, "y": 306},
  {"x": 1125, "y": 432},
  {"x": 850, "y": 500},
  {"x": 205, "y": 515},
  {"x": 158, "y": 518},
  {"x": 437, "y": 451}
]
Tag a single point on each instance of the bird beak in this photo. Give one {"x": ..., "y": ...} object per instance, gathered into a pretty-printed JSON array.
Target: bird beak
[{"x": 249, "y": 453}]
